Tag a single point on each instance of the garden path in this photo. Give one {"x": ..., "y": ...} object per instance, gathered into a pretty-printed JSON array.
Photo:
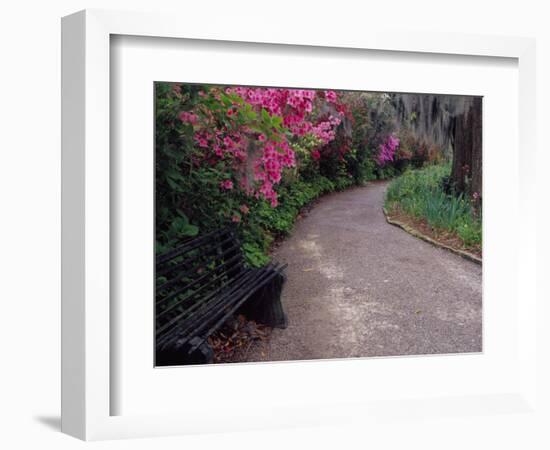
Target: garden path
[{"x": 358, "y": 287}]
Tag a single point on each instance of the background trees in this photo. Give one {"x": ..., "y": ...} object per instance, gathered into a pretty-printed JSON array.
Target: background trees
[{"x": 452, "y": 123}]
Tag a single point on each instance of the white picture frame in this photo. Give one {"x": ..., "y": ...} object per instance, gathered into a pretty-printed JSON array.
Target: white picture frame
[{"x": 86, "y": 284}]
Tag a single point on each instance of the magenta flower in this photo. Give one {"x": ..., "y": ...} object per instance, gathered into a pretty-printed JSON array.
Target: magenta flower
[
  {"x": 228, "y": 142},
  {"x": 330, "y": 96},
  {"x": 189, "y": 117},
  {"x": 226, "y": 139},
  {"x": 201, "y": 139},
  {"x": 226, "y": 185},
  {"x": 386, "y": 150}
]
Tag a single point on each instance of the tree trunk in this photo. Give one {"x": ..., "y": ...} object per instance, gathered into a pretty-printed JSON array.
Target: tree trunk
[
  {"x": 466, "y": 174},
  {"x": 477, "y": 147}
]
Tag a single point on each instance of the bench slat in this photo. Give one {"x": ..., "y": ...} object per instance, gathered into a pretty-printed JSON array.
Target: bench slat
[
  {"x": 204, "y": 277},
  {"x": 210, "y": 249},
  {"x": 191, "y": 245},
  {"x": 185, "y": 325}
]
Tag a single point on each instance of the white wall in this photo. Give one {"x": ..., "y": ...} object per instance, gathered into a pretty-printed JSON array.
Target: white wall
[{"x": 30, "y": 190}]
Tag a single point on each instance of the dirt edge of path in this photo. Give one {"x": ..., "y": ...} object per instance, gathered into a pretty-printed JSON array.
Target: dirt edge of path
[{"x": 414, "y": 232}]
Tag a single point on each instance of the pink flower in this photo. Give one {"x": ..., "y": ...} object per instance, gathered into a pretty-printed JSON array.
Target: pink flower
[
  {"x": 201, "y": 139},
  {"x": 228, "y": 142},
  {"x": 386, "y": 150},
  {"x": 240, "y": 155},
  {"x": 330, "y": 96},
  {"x": 324, "y": 130},
  {"x": 260, "y": 172},
  {"x": 227, "y": 185},
  {"x": 475, "y": 195},
  {"x": 189, "y": 117},
  {"x": 235, "y": 218}
]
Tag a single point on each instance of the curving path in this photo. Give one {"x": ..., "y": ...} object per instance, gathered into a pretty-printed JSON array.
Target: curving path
[{"x": 358, "y": 286}]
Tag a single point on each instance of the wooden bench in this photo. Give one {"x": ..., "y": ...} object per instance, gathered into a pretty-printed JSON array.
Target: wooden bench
[{"x": 202, "y": 283}]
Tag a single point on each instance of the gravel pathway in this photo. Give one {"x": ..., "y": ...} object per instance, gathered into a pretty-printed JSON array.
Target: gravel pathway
[{"x": 358, "y": 287}]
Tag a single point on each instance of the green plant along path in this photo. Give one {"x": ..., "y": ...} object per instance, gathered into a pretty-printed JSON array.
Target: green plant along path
[{"x": 422, "y": 194}]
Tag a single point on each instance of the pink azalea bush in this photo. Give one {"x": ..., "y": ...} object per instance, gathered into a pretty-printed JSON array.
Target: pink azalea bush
[
  {"x": 386, "y": 150},
  {"x": 254, "y": 128}
]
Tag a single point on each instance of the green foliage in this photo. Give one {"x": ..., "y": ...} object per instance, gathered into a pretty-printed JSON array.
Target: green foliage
[
  {"x": 172, "y": 164},
  {"x": 373, "y": 120},
  {"x": 469, "y": 232},
  {"x": 188, "y": 196},
  {"x": 420, "y": 193},
  {"x": 361, "y": 167},
  {"x": 385, "y": 172}
]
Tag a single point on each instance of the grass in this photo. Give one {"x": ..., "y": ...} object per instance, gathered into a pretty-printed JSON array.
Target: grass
[{"x": 420, "y": 194}]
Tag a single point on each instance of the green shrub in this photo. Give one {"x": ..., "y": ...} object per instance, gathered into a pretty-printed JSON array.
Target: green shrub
[
  {"x": 470, "y": 232},
  {"x": 421, "y": 194}
]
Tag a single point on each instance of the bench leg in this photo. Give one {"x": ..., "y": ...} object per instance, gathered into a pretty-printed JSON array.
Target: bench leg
[
  {"x": 265, "y": 306},
  {"x": 177, "y": 355}
]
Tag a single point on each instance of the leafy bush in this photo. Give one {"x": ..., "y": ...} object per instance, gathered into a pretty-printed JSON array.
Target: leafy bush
[
  {"x": 470, "y": 233},
  {"x": 417, "y": 151},
  {"x": 373, "y": 124},
  {"x": 421, "y": 194}
]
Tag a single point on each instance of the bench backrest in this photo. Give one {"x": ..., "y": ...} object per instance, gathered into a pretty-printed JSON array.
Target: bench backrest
[{"x": 193, "y": 273}]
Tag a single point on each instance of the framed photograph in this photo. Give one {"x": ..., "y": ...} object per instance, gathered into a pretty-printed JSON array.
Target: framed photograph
[
  {"x": 249, "y": 242},
  {"x": 295, "y": 220}
]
